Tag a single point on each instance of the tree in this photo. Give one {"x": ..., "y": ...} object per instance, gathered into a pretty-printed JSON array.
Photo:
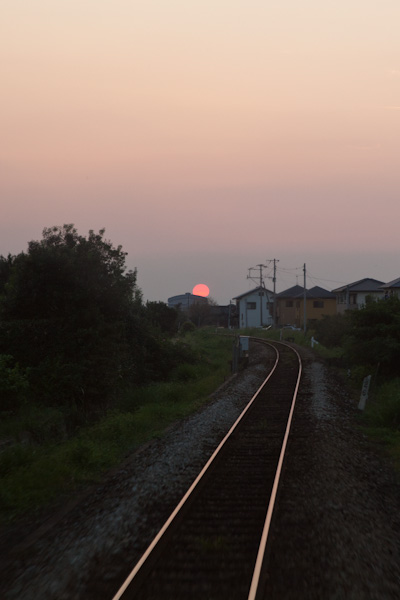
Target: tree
[
  {"x": 375, "y": 335},
  {"x": 162, "y": 317},
  {"x": 66, "y": 274},
  {"x": 66, "y": 310},
  {"x": 201, "y": 313}
]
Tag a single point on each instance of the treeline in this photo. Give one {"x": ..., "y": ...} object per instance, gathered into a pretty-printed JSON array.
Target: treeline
[
  {"x": 368, "y": 338},
  {"x": 74, "y": 329}
]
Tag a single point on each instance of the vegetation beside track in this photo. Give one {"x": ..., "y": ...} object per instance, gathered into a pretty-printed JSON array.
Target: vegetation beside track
[
  {"x": 34, "y": 474},
  {"x": 88, "y": 371},
  {"x": 360, "y": 343}
]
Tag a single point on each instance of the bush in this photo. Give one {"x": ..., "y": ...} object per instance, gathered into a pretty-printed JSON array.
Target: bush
[
  {"x": 14, "y": 458},
  {"x": 185, "y": 372},
  {"x": 375, "y": 336},
  {"x": 187, "y": 327},
  {"x": 331, "y": 331},
  {"x": 384, "y": 411},
  {"x": 13, "y": 383}
]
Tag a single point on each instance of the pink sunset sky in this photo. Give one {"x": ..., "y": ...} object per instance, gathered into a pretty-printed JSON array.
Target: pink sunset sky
[{"x": 206, "y": 137}]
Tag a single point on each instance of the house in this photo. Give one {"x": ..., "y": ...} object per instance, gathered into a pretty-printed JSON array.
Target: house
[
  {"x": 354, "y": 295},
  {"x": 392, "y": 288},
  {"x": 255, "y": 308},
  {"x": 290, "y": 305}
]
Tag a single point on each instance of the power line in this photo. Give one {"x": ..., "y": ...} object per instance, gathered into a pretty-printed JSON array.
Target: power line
[{"x": 316, "y": 278}]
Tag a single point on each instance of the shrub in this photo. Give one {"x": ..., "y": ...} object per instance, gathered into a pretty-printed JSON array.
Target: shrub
[
  {"x": 331, "y": 331},
  {"x": 375, "y": 336},
  {"x": 384, "y": 411},
  {"x": 13, "y": 383},
  {"x": 187, "y": 327},
  {"x": 185, "y": 372}
]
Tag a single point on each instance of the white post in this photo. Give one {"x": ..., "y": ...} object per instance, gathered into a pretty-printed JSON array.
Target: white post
[{"x": 364, "y": 392}]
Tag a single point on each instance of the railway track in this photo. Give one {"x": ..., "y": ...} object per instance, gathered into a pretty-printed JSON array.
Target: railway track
[{"x": 213, "y": 545}]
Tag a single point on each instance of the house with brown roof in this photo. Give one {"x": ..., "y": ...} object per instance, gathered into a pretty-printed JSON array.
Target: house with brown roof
[
  {"x": 290, "y": 305},
  {"x": 354, "y": 295}
]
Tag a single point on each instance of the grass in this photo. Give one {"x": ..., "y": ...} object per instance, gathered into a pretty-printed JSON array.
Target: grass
[
  {"x": 34, "y": 475},
  {"x": 382, "y": 418}
]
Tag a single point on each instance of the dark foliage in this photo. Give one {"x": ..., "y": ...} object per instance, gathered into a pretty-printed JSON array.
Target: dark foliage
[
  {"x": 162, "y": 317},
  {"x": 331, "y": 331},
  {"x": 73, "y": 316},
  {"x": 375, "y": 336}
]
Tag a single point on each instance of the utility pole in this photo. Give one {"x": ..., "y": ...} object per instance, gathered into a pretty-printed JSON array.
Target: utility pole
[
  {"x": 260, "y": 276},
  {"x": 274, "y": 290},
  {"x": 261, "y": 284},
  {"x": 305, "y": 299},
  {"x": 260, "y": 268}
]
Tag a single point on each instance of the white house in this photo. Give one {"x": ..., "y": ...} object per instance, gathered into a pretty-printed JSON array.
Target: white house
[
  {"x": 392, "y": 288},
  {"x": 354, "y": 295},
  {"x": 255, "y": 308}
]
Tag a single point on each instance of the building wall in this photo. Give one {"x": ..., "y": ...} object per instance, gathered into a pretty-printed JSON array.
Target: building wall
[
  {"x": 252, "y": 313},
  {"x": 355, "y": 300},
  {"x": 290, "y": 311},
  {"x": 392, "y": 292},
  {"x": 185, "y": 301},
  {"x": 319, "y": 308}
]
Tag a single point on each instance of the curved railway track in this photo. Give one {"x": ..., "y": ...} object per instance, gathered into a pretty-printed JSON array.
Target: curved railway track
[{"x": 213, "y": 545}]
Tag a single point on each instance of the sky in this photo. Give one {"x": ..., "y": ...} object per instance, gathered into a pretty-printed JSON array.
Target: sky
[{"x": 206, "y": 137}]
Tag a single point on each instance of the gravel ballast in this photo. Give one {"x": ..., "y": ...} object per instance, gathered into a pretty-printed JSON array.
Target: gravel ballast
[{"x": 335, "y": 530}]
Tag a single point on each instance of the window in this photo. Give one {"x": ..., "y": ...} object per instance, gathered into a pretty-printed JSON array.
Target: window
[
  {"x": 318, "y": 304},
  {"x": 289, "y": 303},
  {"x": 251, "y": 306}
]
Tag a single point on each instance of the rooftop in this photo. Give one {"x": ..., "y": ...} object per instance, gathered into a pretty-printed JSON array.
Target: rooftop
[
  {"x": 395, "y": 283},
  {"x": 297, "y": 291},
  {"x": 257, "y": 289}
]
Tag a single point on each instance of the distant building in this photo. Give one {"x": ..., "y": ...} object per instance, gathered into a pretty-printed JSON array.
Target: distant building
[
  {"x": 185, "y": 301},
  {"x": 255, "y": 308},
  {"x": 392, "y": 288},
  {"x": 354, "y": 295},
  {"x": 290, "y": 305}
]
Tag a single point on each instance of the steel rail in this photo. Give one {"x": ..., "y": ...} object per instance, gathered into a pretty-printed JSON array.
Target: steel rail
[
  {"x": 264, "y": 537},
  {"x": 185, "y": 498}
]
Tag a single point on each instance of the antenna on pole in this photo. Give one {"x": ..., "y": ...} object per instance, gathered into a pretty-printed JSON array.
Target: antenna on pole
[{"x": 257, "y": 278}]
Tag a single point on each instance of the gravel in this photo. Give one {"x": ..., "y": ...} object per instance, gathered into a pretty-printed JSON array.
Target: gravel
[
  {"x": 335, "y": 530},
  {"x": 337, "y": 524}
]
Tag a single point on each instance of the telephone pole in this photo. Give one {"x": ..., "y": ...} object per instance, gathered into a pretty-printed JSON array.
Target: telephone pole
[
  {"x": 305, "y": 299},
  {"x": 260, "y": 278},
  {"x": 274, "y": 260}
]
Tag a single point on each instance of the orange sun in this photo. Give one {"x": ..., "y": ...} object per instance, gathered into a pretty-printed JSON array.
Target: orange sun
[{"x": 201, "y": 290}]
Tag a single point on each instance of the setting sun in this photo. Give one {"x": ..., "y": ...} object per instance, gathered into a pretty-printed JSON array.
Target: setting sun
[{"x": 201, "y": 290}]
